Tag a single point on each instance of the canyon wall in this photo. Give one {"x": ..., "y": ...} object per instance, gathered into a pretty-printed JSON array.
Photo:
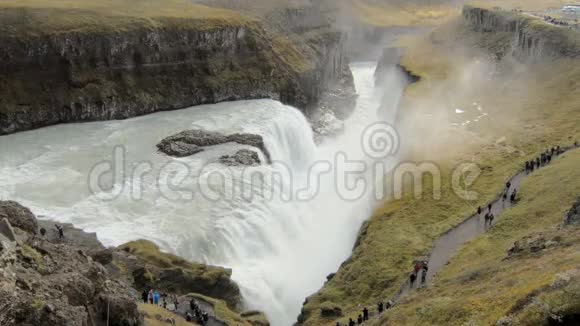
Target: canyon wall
[
  {"x": 530, "y": 38},
  {"x": 101, "y": 74}
]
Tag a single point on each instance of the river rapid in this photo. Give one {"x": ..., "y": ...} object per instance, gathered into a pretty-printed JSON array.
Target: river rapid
[{"x": 281, "y": 238}]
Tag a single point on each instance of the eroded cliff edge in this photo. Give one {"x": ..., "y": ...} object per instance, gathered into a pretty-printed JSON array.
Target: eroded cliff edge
[{"x": 114, "y": 67}]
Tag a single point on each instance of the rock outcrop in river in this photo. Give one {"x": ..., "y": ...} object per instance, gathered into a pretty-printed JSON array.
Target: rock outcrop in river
[
  {"x": 190, "y": 142},
  {"x": 242, "y": 157}
]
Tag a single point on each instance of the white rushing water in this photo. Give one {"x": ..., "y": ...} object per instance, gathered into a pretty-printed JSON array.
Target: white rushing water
[{"x": 280, "y": 249}]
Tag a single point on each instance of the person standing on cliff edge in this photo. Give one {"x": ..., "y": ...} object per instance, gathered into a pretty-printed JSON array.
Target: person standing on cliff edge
[{"x": 60, "y": 231}]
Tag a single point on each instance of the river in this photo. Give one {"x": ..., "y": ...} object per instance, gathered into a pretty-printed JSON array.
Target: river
[{"x": 280, "y": 243}]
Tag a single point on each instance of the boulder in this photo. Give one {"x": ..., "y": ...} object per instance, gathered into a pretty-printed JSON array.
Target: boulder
[
  {"x": 243, "y": 157},
  {"x": 104, "y": 257},
  {"x": 330, "y": 311},
  {"x": 18, "y": 216},
  {"x": 6, "y": 230},
  {"x": 120, "y": 308},
  {"x": 179, "y": 149}
]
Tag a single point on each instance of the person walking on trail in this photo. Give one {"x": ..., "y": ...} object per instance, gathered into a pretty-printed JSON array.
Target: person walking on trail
[
  {"x": 350, "y": 322},
  {"x": 42, "y": 232},
  {"x": 425, "y": 271},
  {"x": 389, "y": 305},
  {"x": 144, "y": 296},
  {"x": 365, "y": 314},
  {"x": 360, "y": 319},
  {"x": 527, "y": 167},
  {"x": 489, "y": 207},
  {"x": 418, "y": 266},
  {"x": 380, "y": 307},
  {"x": 412, "y": 279},
  {"x": 491, "y": 218},
  {"x": 60, "y": 231},
  {"x": 150, "y": 296},
  {"x": 479, "y": 210},
  {"x": 156, "y": 297},
  {"x": 514, "y": 196}
]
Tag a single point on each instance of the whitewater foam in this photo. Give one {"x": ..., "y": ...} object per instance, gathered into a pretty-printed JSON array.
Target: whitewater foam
[{"x": 280, "y": 250}]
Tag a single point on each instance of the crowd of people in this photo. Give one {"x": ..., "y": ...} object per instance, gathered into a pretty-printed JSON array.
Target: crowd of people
[
  {"x": 197, "y": 314},
  {"x": 422, "y": 267},
  {"x": 194, "y": 314},
  {"x": 556, "y": 21},
  {"x": 544, "y": 159},
  {"x": 365, "y": 314}
]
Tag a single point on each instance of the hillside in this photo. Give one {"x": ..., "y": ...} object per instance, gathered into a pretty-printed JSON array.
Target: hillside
[
  {"x": 530, "y": 103},
  {"x": 389, "y": 13}
]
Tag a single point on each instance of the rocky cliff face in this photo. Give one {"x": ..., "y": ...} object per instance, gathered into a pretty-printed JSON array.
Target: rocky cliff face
[
  {"x": 48, "y": 280},
  {"x": 44, "y": 281},
  {"x": 72, "y": 76},
  {"x": 529, "y": 37}
]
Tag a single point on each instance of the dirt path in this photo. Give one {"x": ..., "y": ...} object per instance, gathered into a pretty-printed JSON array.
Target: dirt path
[{"x": 447, "y": 245}]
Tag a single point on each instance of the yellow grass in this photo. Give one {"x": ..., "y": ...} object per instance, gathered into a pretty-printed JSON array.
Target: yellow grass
[
  {"x": 387, "y": 14},
  {"x": 530, "y": 107},
  {"x": 150, "y": 312},
  {"x": 23, "y": 17},
  {"x": 480, "y": 286}
]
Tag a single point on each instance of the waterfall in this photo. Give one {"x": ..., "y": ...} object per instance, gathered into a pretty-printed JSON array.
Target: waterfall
[{"x": 279, "y": 245}]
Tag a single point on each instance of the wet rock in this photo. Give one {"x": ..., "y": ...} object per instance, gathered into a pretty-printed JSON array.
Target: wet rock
[
  {"x": 328, "y": 125},
  {"x": 242, "y": 157},
  {"x": 18, "y": 216},
  {"x": 190, "y": 142},
  {"x": 179, "y": 149}
]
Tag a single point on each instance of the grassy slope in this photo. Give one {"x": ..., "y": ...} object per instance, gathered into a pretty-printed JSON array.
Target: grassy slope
[
  {"x": 403, "y": 13},
  {"x": 530, "y": 110},
  {"x": 220, "y": 308},
  {"x": 480, "y": 285},
  {"x": 150, "y": 253},
  {"x": 151, "y": 312},
  {"x": 34, "y": 17}
]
